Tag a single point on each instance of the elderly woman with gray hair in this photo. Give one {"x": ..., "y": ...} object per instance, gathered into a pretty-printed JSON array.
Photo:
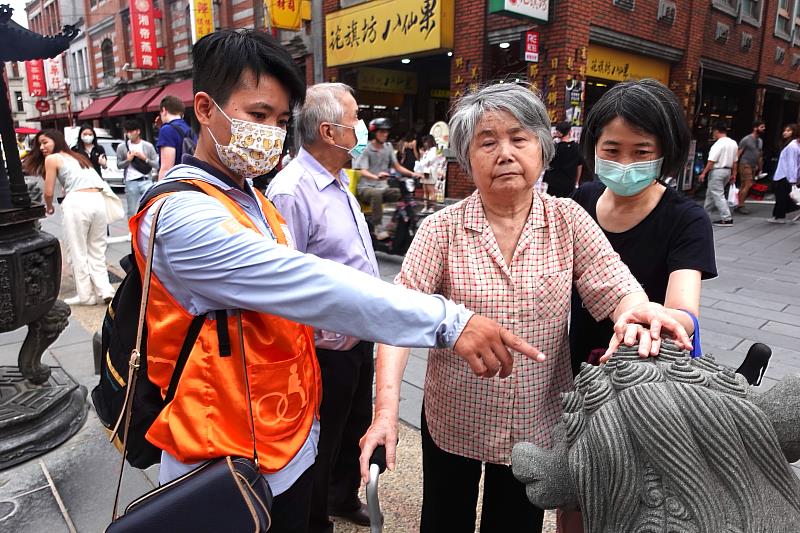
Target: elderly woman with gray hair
[{"x": 512, "y": 254}]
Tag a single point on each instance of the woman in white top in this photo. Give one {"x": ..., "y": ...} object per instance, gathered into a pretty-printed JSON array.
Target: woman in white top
[{"x": 84, "y": 213}]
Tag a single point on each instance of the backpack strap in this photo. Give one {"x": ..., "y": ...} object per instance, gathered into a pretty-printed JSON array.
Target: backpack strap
[
  {"x": 186, "y": 349},
  {"x": 169, "y": 187}
]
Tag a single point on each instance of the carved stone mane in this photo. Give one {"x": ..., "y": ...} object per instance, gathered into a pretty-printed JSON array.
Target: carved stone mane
[{"x": 670, "y": 444}]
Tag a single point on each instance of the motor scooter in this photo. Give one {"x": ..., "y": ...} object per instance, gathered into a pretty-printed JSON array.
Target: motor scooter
[{"x": 403, "y": 224}]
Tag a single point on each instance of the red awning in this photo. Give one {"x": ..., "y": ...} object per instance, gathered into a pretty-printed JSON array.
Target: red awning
[
  {"x": 133, "y": 103},
  {"x": 52, "y": 116},
  {"x": 26, "y": 131},
  {"x": 97, "y": 108},
  {"x": 181, "y": 89}
]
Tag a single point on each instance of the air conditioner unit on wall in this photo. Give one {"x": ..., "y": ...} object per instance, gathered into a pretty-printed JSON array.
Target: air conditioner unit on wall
[
  {"x": 625, "y": 4},
  {"x": 747, "y": 41},
  {"x": 666, "y": 11},
  {"x": 780, "y": 54},
  {"x": 722, "y": 32}
]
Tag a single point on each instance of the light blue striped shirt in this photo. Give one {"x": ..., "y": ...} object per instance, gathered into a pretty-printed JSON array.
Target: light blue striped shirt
[{"x": 206, "y": 267}]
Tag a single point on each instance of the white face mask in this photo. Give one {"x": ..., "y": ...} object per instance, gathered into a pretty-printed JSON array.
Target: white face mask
[
  {"x": 254, "y": 149},
  {"x": 87, "y": 139}
]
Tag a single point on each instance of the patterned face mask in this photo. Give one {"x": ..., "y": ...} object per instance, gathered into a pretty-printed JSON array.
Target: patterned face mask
[{"x": 254, "y": 149}]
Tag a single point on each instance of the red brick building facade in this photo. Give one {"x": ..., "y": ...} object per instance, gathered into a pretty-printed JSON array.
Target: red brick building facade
[{"x": 735, "y": 60}]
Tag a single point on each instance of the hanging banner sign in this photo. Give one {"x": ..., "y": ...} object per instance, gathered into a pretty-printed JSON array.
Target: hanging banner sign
[
  {"x": 54, "y": 73},
  {"x": 530, "y": 49},
  {"x": 538, "y": 10},
  {"x": 202, "y": 16},
  {"x": 144, "y": 34},
  {"x": 285, "y": 14},
  {"x": 385, "y": 28},
  {"x": 37, "y": 84}
]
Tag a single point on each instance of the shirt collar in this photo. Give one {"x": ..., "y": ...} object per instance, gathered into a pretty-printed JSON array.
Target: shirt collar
[
  {"x": 475, "y": 216},
  {"x": 322, "y": 178},
  {"x": 221, "y": 176}
]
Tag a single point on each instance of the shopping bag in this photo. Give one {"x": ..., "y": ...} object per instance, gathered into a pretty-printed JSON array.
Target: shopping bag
[
  {"x": 794, "y": 194},
  {"x": 114, "y": 209},
  {"x": 733, "y": 195}
]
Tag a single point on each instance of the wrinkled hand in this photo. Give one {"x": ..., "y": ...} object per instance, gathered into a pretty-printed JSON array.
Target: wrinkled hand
[
  {"x": 645, "y": 323},
  {"x": 382, "y": 431},
  {"x": 484, "y": 345}
]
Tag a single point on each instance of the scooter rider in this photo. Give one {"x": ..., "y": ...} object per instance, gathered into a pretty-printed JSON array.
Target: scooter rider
[{"x": 375, "y": 163}]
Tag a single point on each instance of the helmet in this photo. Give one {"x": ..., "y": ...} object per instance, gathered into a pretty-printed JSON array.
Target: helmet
[{"x": 379, "y": 124}]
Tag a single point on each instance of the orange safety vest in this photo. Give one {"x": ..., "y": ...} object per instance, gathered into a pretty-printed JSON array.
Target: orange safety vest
[{"x": 208, "y": 416}]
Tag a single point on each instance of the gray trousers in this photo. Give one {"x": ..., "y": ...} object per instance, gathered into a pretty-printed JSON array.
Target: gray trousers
[{"x": 715, "y": 195}]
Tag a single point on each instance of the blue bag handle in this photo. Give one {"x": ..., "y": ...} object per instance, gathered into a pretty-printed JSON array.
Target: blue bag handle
[{"x": 697, "y": 351}]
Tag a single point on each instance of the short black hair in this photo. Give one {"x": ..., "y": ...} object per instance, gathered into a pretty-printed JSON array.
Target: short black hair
[
  {"x": 720, "y": 126},
  {"x": 757, "y": 123},
  {"x": 647, "y": 105},
  {"x": 563, "y": 127},
  {"x": 131, "y": 124},
  {"x": 222, "y": 57}
]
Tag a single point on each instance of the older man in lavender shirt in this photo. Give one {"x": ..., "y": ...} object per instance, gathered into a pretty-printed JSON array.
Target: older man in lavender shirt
[{"x": 325, "y": 220}]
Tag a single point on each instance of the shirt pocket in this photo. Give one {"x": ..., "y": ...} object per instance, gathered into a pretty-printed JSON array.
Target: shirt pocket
[{"x": 551, "y": 296}]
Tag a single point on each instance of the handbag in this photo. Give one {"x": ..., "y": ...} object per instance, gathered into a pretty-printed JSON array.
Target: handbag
[
  {"x": 794, "y": 194},
  {"x": 224, "y": 494},
  {"x": 114, "y": 209},
  {"x": 143, "y": 167}
]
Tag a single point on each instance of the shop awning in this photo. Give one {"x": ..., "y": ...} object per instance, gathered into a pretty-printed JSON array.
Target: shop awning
[
  {"x": 181, "y": 89},
  {"x": 47, "y": 118},
  {"x": 97, "y": 108},
  {"x": 26, "y": 131},
  {"x": 133, "y": 103}
]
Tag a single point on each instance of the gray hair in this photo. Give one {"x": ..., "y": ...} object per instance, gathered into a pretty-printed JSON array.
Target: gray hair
[
  {"x": 521, "y": 101},
  {"x": 322, "y": 104}
]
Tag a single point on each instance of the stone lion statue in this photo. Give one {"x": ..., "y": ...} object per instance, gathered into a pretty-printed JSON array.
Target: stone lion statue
[{"x": 670, "y": 444}]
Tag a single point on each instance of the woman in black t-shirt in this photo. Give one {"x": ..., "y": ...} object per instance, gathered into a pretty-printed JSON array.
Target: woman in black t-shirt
[
  {"x": 634, "y": 136},
  {"x": 87, "y": 146}
]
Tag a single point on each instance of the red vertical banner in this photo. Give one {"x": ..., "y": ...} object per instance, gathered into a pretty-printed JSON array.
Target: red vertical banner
[
  {"x": 145, "y": 55},
  {"x": 37, "y": 84}
]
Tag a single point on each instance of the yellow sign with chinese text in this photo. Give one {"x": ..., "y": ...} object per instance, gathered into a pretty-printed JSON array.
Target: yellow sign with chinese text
[
  {"x": 384, "y": 80},
  {"x": 202, "y": 18},
  {"x": 285, "y": 14},
  {"x": 616, "y": 65},
  {"x": 388, "y": 28}
]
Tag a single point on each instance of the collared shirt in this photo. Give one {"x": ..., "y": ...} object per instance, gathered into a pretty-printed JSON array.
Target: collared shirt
[
  {"x": 207, "y": 261},
  {"x": 724, "y": 153},
  {"x": 455, "y": 253},
  {"x": 325, "y": 220},
  {"x": 788, "y": 163}
]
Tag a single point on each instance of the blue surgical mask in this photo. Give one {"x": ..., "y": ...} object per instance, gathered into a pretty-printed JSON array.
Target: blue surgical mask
[
  {"x": 630, "y": 179},
  {"x": 362, "y": 138}
]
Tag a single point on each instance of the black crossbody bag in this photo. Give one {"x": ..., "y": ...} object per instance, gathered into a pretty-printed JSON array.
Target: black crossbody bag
[{"x": 225, "y": 494}]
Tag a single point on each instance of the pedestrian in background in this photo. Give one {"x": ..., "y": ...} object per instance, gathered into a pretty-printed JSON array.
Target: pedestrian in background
[
  {"x": 137, "y": 158},
  {"x": 172, "y": 133},
  {"x": 564, "y": 172},
  {"x": 786, "y": 174},
  {"x": 407, "y": 152},
  {"x": 87, "y": 146},
  {"x": 312, "y": 194},
  {"x": 751, "y": 161},
  {"x": 721, "y": 170},
  {"x": 84, "y": 213}
]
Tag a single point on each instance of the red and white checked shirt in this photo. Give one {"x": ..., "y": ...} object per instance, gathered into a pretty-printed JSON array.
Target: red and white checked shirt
[{"x": 456, "y": 254}]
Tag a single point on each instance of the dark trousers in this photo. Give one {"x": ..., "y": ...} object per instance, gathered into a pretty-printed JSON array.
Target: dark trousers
[
  {"x": 290, "y": 509},
  {"x": 345, "y": 415},
  {"x": 450, "y": 494},
  {"x": 783, "y": 203}
]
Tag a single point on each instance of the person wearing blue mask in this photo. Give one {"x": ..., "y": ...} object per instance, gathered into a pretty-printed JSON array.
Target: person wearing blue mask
[
  {"x": 635, "y": 136},
  {"x": 324, "y": 218}
]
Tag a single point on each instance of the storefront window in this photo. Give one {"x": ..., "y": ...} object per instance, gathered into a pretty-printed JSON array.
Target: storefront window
[{"x": 506, "y": 63}]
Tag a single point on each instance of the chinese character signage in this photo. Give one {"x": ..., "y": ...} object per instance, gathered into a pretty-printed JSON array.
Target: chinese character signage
[
  {"x": 387, "y": 81},
  {"x": 616, "y": 65},
  {"x": 538, "y": 10},
  {"x": 143, "y": 34},
  {"x": 54, "y": 73},
  {"x": 385, "y": 28},
  {"x": 285, "y": 14},
  {"x": 202, "y": 18},
  {"x": 37, "y": 84},
  {"x": 530, "y": 48}
]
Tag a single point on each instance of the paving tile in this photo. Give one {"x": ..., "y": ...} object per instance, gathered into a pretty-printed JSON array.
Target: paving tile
[
  {"x": 763, "y": 294},
  {"x": 758, "y": 313},
  {"x": 783, "y": 329},
  {"x": 415, "y": 371},
  {"x": 729, "y": 318},
  {"x": 737, "y": 297}
]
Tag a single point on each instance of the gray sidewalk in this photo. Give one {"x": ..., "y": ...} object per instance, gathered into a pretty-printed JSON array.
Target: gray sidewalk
[{"x": 756, "y": 298}]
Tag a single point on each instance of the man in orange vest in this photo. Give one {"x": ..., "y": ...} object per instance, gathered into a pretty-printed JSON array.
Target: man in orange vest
[{"x": 224, "y": 249}]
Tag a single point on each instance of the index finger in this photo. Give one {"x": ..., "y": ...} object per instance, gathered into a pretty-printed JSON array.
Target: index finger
[
  {"x": 676, "y": 331},
  {"x": 516, "y": 343}
]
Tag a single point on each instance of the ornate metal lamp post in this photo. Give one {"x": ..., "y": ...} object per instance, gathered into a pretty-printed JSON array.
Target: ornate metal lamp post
[{"x": 40, "y": 407}]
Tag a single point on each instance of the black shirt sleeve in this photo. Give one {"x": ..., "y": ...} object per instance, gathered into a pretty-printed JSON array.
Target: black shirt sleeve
[{"x": 692, "y": 246}]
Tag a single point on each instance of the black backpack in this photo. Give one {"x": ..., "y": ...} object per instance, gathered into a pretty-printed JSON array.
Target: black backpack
[
  {"x": 188, "y": 142},
  {"x": 119, "y": 339}
]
